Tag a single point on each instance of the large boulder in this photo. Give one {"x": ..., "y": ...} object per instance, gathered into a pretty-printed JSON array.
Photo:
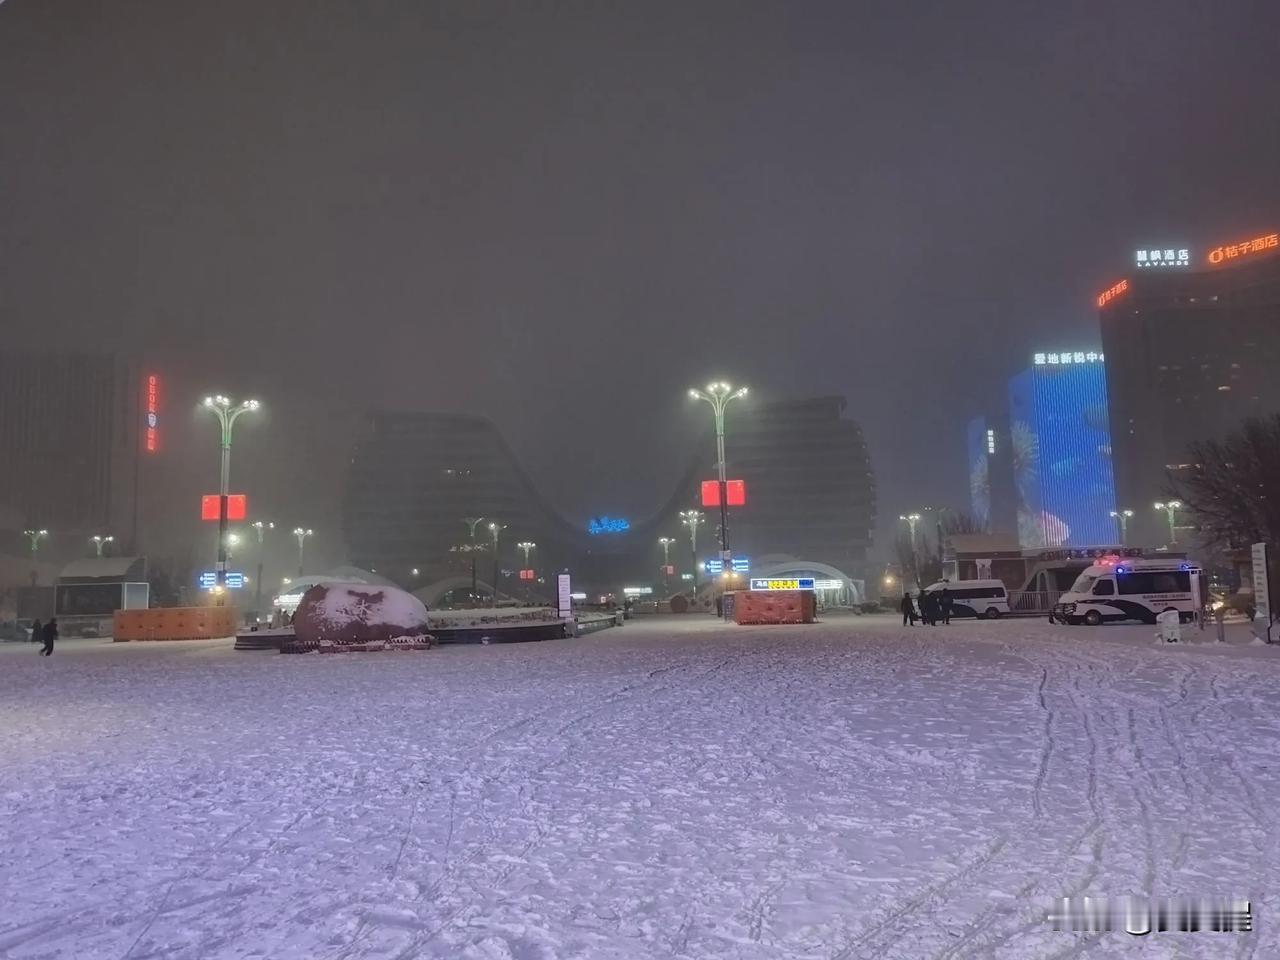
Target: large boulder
[{"x": 336, "y": 614}]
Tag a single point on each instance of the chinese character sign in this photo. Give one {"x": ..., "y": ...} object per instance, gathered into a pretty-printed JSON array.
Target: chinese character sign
[
  {"x": 1162, "y": 257},
  {"x": 1067, "y": 357},
  {"x": 1106, "y": 296},
  {"x": 1233, "y": 251},
  {"x": 151, "y": 429}
]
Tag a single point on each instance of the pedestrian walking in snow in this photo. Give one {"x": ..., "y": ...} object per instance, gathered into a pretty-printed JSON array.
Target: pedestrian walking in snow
[
  {"x": 908, "y": 610},
  {"x": 37, "y": 631},
  {"x": 720, "y": 606},
  {"x": 926, "y": 608},
  {"x": 946, "y": 602},
  {"x": 48, "y": 634}
]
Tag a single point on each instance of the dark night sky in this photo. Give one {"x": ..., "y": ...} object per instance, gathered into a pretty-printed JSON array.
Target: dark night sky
[{"x": 563, "y": 214}]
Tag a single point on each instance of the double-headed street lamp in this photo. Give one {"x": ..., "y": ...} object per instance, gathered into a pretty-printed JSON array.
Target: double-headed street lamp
[
  {"x": 227, "y": 413},
  {"x": 691, "y": 519},
  {"x": 720, "y": 395},
  {"x": 1170, "y": 508},
  {"x": 911, "y": 520},
  {"x": 100, "y": 541},
  {"x": 525, "y": 546},
  {"x": 302, "y": 533},
  {"x": 495, "y": 529},
  {"x": 1122, "y": 519},
  {"x": 665, "y": 543}
]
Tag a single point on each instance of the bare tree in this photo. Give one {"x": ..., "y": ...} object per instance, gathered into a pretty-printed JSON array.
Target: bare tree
[{"x": 1233, "y": 491}]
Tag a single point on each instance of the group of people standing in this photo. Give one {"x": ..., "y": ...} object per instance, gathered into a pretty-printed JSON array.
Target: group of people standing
[{"x": 929, "y": 607}]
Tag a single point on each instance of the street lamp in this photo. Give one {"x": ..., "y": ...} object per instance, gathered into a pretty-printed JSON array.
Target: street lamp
[
  {"x": 665, "y": 543},
  {"x": 260, "y": 528},
  {"x": 496, "y": 528},
  {"x": 472, "y": 523},
  {"x": 35, "y": 536},
  {"x": 525, "y": 546},
  {"x": 99, "y": 542},
  {"x": 1122, "y": 518},
  {"x": 302, "y": 533},
  {"x": 227, "y": 414},
  {"x": 1171, "y": 508},
  {"x": 691, "y": 519},
  {"x": 912, "y": 519},
  {"x": 720, "y": 395}
]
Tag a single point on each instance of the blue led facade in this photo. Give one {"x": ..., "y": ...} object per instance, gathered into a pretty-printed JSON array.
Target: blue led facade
[
  {"x": 1061, "y": 455},
  {"x": 979, "y": 471}
]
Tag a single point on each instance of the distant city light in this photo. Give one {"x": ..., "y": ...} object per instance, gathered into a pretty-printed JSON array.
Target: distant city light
[
  {"x": 152, "y": 440},
  {"x": 991, "y": 441},
  {"x": 599, "y": 525}
]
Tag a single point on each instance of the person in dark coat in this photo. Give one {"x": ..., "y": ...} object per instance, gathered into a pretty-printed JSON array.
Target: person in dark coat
[
  {"x": 48, "y": 634},
  {"x": 908, "y": 610},
  {"x": 945, "y": 603},
  {"x": 37, "y": 631},
  {"x": 926, "y": 608}
]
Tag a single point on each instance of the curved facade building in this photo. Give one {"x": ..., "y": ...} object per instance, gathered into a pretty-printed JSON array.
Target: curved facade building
[{"x": 415, "y": 476}]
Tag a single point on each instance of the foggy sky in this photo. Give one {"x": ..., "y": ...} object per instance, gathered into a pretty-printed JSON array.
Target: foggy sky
[{"x": 564, "y": 214}]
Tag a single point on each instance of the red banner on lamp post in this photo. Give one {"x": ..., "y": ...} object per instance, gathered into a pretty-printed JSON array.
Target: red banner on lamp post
[
  {"x": 211, "y": 507},
  {"x": 735, "y": 493}
]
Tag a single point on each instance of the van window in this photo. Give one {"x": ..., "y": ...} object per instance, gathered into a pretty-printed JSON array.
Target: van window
[
  {"x": 1155, "y": 581},
  {"x": 1104, "y": 588},
  {"x": 1083, "y": 584}
]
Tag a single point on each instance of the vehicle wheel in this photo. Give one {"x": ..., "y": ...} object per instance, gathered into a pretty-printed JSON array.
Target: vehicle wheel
[
  {"x": 1093, "y": 618},
  {"x": 992, "y": 613}
]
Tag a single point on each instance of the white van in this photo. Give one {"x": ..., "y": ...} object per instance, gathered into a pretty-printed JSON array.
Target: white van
[
  {"x": 1132, "y": 590},
  {"x": 975, "y": 598}
]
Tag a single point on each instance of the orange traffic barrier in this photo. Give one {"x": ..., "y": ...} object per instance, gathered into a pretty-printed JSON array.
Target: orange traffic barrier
[
  {"x": 774, "y": 606},
  {"x": 174, "y": 623}
]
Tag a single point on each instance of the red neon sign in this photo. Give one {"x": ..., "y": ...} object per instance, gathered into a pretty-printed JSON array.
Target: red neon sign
[
  {"x": 1106, "y": 296},
  {"x": 152, "y": 435},
  {"x": 1232, "y": 251},
  {"x": 526, "y": 574},
  {"x": 211, "y": 506},
  {"x": 735, "y": 493}
]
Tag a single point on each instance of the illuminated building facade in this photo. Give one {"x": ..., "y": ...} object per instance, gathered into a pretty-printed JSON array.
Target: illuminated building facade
[
  {"x": 1190, "y": 353},
  {"x": 1060, "y": 430}
]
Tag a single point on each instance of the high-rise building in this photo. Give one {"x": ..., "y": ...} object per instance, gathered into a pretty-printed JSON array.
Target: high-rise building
[
  {"x": 71, "y": 428},
  {"x": 1192, "y": 347}
]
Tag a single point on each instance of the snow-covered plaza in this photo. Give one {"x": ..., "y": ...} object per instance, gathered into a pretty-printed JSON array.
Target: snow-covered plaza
[{"x": 673, "y": 788}]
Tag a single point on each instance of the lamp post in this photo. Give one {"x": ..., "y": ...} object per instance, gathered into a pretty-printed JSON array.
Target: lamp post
[
  {"x": 1122, "y": 518},
  {"x": 1171, "y": 508},
  {"x": 35, "y": 536},
  {"x": 912, "y": 519},
  {"x": 302, "y": 533},
  {"x": 691, "y": 519},
  {"x": 100, "y": 541},
  {"x": 260, "y": 529},
  {"x": 525, "y": 547},
  {"x": 472, "y": 523},
  {"x": 665, "y": 543},
  {"x": 227, "y": 414},
  {"x": 720, "y": 395},
  {"x": 495, "y": 528}
]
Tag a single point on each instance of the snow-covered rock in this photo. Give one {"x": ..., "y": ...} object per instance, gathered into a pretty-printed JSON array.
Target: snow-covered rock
[{"x": 347, "y": 614}]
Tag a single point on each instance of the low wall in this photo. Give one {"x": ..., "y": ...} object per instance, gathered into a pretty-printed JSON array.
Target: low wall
[
  {"x": 774, "y": 606},
  {"x": 174, "y": 623}
]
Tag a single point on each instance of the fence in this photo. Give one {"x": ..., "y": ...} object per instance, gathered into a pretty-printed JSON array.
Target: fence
[{"x": 1032, "y": 602}]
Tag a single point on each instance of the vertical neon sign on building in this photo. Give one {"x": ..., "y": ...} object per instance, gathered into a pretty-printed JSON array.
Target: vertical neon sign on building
[{"x": 152, "y": 434}]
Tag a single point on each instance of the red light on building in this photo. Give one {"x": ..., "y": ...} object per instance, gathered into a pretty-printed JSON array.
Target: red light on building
[
  {"x": 1233, "y": 251},
  {"x": 735, "y": 493},
  {"x": 669, "y": 571},
  {"x": 526, "y": 575},
  {"x": 151, "y": 435},
  {"x": 1106, "y": 296},
  {"x": 237, "y": 506}
]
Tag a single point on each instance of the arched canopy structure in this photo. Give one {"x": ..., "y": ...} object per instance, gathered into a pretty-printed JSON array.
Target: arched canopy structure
[{"x": 834, "y": 585}]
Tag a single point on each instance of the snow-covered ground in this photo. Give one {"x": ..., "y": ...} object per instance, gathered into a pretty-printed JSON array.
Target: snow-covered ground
[{"x": 673, "y": 788}]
